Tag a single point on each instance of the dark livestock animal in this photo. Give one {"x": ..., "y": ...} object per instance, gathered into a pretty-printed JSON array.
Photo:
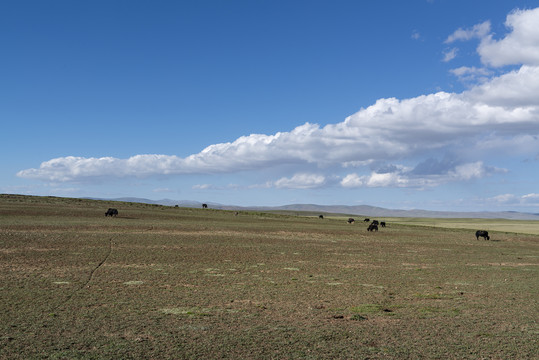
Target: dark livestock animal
[
  {"x": 367, "y": 220},
  {"x": 483, "y": 234},
  {"x": 111, "y": 212},
  {"x": 383, "y": 224},
  {"x": 204, "y": 206},
  {"x": 375, "y": 222},
  {"x": 350, "y": 220},
  {"x": 372, "y": 227},
  {"x": 320, "y": 216}
]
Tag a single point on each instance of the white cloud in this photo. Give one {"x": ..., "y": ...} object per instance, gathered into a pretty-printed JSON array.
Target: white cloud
[
  {"x": 217, "y": 187},
  {"x": 389, "y": 129},
  {"x": 520, "y": 46},
  {"x": 478, "y": 31},
  {"x": 471, "y": 74},
  {"x": 504, "y": 198},
  {"x": 515, "y": 200},
  {"x": 450, "y": 54},
  {"x": 353, "y": 180},
  {"x": 301, "y": 181},
  {"x": 512, "y": 146},
  {"x": 531, "y": 199},
  {"x": 162, "y": 190},
  {"x": 404, "y": 177},
  {"x": 202, "y": 187},
  {"x": 515, "y": 91},
  {"x": 464, "y": 71},
  {"x": 376, "y": 179},
  {"x": 469, "y": 171}
]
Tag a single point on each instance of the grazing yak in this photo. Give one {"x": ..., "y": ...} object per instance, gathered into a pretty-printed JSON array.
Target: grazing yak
[
  {"x": 483, "y": 234},
  {"x": 111, "y": 212},
  {"x": 372, "y": 227},
  {"x": 367, "y": 220},
  {"x": 375, "y": 222},
  {"x": 350, "y": 220},
  {"x": 382, "y": 223},
  {"x": 204, "y": 206},
  {"x": 320, "y": 216}
]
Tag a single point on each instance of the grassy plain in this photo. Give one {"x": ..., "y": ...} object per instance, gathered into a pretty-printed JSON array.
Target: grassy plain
[
  {"x": 497, "y": 225},
  {"x": 163, "y": 282}
]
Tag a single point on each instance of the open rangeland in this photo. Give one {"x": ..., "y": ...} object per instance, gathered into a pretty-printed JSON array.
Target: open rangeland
[{"x": 163, "y": 282}]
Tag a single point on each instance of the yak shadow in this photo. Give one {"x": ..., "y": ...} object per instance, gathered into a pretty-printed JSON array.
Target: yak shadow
[{"x": 126, "y": 217}]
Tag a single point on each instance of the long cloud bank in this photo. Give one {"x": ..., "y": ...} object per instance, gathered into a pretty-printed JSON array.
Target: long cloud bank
[{"x": 500, "y": 114}]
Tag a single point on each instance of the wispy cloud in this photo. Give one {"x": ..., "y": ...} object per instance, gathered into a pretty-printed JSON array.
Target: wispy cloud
[
  {"x": 217, "y": 187},
  {"x": 478, "y": 31},
  {"x": 202, "y": 187},
  {"x": 471, "y": 74},
  {"x": 421, "y": 177},
  {"x": 531, "y": 198},
  {"x": 301, "y": 181},
  {"x": 515, "y": 200},
  {"x": 162, "y": 190},
  {"x": 450, "y": 54}
]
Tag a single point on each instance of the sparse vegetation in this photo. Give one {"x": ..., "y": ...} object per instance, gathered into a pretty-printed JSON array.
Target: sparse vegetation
[{"x": 166, "y": 282}]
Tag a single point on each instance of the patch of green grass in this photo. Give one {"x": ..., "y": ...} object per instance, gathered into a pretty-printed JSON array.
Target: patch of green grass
[
  {"x": 189, "y": 311},
  {"x": 358, "y": 317},
  {"x": 134, "y": 282}
]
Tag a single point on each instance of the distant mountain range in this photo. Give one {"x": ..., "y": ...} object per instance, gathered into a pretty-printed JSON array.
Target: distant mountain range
[{"x": 362, "y": 210}]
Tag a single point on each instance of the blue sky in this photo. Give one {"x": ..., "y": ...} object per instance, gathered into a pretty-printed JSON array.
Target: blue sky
[{"x": 400, "y": 104}]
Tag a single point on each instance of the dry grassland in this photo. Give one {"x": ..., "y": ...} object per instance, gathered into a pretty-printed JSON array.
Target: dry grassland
[{"x": 160, "y": 282}]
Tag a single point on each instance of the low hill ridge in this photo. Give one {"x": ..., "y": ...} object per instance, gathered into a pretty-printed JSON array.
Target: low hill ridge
[{"x": 359, "y": 210}]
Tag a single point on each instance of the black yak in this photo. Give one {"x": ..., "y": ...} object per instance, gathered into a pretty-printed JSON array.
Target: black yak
[
  {"x": 111, "y": 212},
  {"x": 483, "y": 234}
]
